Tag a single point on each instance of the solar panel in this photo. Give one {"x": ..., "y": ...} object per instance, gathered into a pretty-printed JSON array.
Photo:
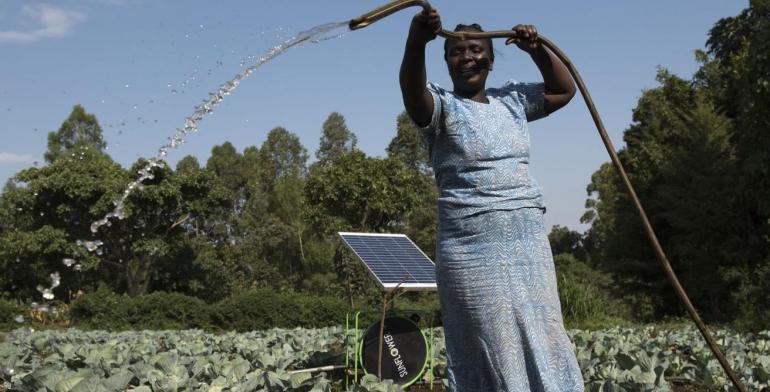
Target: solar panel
[{"x": 393, "y": 258}]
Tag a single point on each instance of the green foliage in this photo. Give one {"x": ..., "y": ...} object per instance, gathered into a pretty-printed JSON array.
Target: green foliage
[
  {"x": 697, "y": 154},
  {"x": 9, "y": 310},
  {"x": 80, "y": 129},
  {"x": 161, "y": 310},
  {"x": 336, "y": 139},
  {"x": 366, "y": 193},
  {"x": 46, "y": 216},
  {"x": 586, "y": 295},
  {"x": 101, "y": 309},
  {"x": 263, "y": 309},
  {"x": 564, "y": 240},
  {"x": 617, "y": 359},
  {"x": 245, "y": 311},
  {"x": 409, "y": 145},
  {"x": 168, "y": 361},
  {"x": 281, "y": 156}
]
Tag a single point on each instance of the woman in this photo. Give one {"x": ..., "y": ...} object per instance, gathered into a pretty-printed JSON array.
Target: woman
[{"x": 494, "y": 267}]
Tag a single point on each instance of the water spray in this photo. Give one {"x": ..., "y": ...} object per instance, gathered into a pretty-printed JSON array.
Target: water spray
[{"x": 393, "y": 7}]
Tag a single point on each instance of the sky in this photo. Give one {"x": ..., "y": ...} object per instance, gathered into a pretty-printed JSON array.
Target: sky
[{"x": 141, "y": 66}]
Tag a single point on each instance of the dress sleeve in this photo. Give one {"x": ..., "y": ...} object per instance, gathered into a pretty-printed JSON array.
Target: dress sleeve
[
  {"x": 431, "y": 129},
  {"x": 531, "y": 96}
]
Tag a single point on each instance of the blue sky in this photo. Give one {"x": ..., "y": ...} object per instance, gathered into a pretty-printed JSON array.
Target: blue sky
[{"x": 141, "y": 66}]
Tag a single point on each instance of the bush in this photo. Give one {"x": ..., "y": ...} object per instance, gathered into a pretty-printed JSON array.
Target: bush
[
  {"x": 101, "y": 309},
  {"x": 246, "y": 311},
  {"x": 585, "y": 296},
  {"x": 263, "y": 309},
  {"x": 254, "y": 310},
  {"x": 321, "y": 311},
  {"x": 106, "y": 310},
  {"x": 161, "y": 310},
  {"x": 8, "y": 311}
]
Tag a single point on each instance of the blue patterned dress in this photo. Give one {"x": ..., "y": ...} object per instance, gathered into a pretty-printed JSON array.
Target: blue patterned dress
[{"x": 494, "y": 268}]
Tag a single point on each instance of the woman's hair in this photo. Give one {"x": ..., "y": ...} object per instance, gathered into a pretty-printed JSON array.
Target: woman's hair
[{"x": 472, "y": 27}]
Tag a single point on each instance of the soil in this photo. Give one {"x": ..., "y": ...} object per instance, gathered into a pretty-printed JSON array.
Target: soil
[{"x": 437, "y": 387}]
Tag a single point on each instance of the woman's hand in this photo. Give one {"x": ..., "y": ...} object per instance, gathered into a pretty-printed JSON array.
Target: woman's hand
[
  {"x": 525, "y": 39},
  {"x": 425, "y": 26}
]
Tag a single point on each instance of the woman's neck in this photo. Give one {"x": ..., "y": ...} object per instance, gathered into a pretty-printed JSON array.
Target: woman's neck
[{"x": 479, "y": 96}]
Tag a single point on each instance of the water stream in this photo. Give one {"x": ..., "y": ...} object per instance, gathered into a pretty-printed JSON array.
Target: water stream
[{"x": 316, "y": 34}]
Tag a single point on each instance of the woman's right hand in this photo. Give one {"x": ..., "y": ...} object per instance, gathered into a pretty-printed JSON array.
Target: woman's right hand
[{"x": 425, "y": 26}]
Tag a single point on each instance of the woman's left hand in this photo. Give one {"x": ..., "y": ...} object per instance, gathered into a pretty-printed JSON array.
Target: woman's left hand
[{"x": 525, "y": 39}]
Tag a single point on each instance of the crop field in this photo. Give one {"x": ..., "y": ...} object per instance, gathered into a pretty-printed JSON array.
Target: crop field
[{"x": 618, "y": 359}]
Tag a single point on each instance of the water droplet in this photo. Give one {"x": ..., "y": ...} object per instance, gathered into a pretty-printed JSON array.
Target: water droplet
[
  {"x": 55, "y": 279},
  {"x": 47, "y": 294},
  {"x": 127, "y": 85},
  {"x": 187, "y": 35},
  {"x": 42, "y": 214},
  {"x": 7, "y": 372},
  {"x": 90, "y": 245},
  {"x": 102, "y": 101},
  {"x": 201, "y": 26},
  {"x": 136, "y": 107}
]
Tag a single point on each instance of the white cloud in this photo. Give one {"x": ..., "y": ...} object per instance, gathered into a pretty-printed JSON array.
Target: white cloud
[
  {"x": 9, "y": 157},
  {"x": 45, "y": 20}
]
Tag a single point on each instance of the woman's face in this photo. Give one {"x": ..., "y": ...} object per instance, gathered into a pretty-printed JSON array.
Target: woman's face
[{"x": 469, "y": 63}]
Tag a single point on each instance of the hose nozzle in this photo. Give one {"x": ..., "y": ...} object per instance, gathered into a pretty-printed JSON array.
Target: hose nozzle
[{"x": 387, "y": 9}]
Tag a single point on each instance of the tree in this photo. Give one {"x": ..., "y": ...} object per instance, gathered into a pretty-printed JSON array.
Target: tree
[
  {"x": 564, "y": 240},
  {"x": 281, "y": 155},
  {"x": 54, "y": 210},
  {"x": 78, "y": 130},
  {"x": 336, "y": 139},
  {"x": 616, "y": 233},
  {"x": 228, "y": 165},
  {"x": 370, "y": 194},
  {"x": 681, "y": 158},
  {"x": 409, "y": 145},
  {"x": 742, "y": 82},
  {"x": 47, "y": 213},
  {"x": 188, "y": 164},
  {"x": 355, "y": 192}
]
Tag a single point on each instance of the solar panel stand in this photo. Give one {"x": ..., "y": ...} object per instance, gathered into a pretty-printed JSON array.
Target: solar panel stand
[
  {"x": 397, "y": 265},
  {"x": 386, "y": 300}
]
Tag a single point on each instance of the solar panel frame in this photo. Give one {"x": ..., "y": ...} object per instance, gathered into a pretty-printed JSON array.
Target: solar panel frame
[{"x": 421, "y": 275}]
